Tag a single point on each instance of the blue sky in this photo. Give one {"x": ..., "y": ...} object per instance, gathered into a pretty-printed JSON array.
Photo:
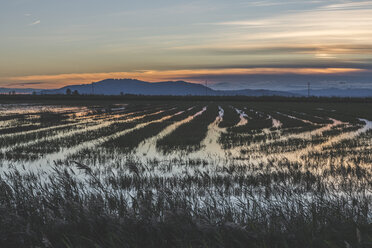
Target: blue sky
[{"x": 252, "y": 44}]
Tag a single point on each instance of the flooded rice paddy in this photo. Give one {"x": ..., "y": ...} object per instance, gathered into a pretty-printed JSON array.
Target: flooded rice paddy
[
  {"x": 182, "y": 139},
  {"x": 223, "y": 162}
]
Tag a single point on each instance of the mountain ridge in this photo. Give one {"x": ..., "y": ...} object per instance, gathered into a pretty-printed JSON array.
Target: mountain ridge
[
  {"x": 182, "y": 88},
  {"x": 138, "y": 87}
]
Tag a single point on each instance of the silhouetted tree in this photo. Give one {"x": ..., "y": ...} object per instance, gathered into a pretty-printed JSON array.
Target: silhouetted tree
[
  {"x": 68, "y": 92},
  {"x": 75, "y": 92}
]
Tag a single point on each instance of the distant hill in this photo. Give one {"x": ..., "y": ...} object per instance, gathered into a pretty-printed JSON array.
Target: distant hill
[
  {"x": 133, "y": 86},
  {"x": 137, "y": 87},
  {"x": 182, "y": 88},
  {"x": 350, "y": 92}
]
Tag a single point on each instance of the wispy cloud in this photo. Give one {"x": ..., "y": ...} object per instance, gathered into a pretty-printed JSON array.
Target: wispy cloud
[
  {"x": 349, "y": 5},
  {"x": 264, "y": 3},
  {"x": 23, "y": 85},
  {"x": 342, "y": 29},
  {"x": 52, "y": 81},
  {"x": 35, "y": 23},
  {"x": 268, "y": 3},
  {"x": 275, "y": 48},
  {"x": 299, "y": 36}
]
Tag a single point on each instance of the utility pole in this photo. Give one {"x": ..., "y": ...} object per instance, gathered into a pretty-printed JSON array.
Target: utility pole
[
  {"x": 92, "y": 89},
  {"x": 308, "y": 89}
]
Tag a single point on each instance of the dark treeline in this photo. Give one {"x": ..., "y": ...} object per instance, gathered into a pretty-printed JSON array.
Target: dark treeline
[{"x": 119, "y": 98}]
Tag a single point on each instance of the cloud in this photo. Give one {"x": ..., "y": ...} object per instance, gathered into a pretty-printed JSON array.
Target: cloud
[
  {"x": 35, "y": 23},
  {"x": 349, "y": 5},
  {"x": 53, "y": 81},
  {"x": 339, "y": 32},
  {"x": 269, "y": 3},
  {"x": 27, "y": 84},
  {"x": 317, "y": 49},
  {"x": 324, "y": 22},
  {"x": 31, "y": 83},
  {"x": 265, "y": 3},
  {"x": 313, "y": 24}
]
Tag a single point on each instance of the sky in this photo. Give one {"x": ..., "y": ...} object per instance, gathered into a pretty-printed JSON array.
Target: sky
[{"x": 271, "y": 44}]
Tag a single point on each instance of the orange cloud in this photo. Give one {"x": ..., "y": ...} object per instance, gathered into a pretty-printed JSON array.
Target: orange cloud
[{"x": 55, "y": 81}]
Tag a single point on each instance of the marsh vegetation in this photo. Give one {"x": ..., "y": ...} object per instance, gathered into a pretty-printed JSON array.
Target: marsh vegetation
[{"x": 186, "y": 174}]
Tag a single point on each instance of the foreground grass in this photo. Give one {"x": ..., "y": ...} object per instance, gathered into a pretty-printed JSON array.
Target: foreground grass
[
  {"x": 64, "y": 210},
  {"x": 122, "y": 200}
]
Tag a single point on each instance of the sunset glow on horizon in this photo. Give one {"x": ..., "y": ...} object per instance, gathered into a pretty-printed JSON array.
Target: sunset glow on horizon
[
  {"x": 269, "y": 43},
  {"x": 61, "y": 80}
]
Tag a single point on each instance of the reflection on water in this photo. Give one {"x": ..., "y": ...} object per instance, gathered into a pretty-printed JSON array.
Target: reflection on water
[
  {"x": 99, "y": 126},
  {"x": 147, "y": 148},
  {"x": 266, "y": 166},
  {"x": 243, "y": 117}
]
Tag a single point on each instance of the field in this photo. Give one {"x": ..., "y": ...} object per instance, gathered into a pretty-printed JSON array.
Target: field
[{"x": 186, "y": 174}]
